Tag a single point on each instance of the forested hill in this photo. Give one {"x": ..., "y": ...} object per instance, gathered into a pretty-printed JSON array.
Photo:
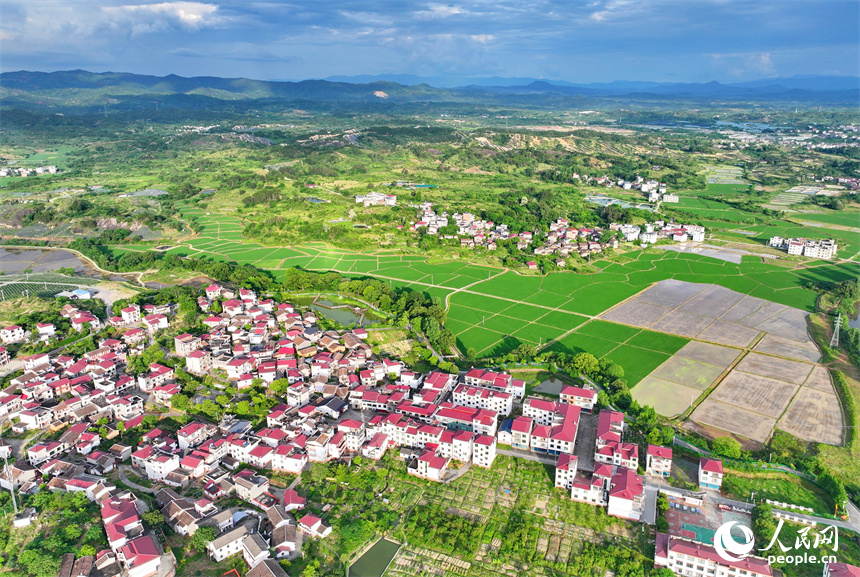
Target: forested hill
[{"x": 82, "y": 89}]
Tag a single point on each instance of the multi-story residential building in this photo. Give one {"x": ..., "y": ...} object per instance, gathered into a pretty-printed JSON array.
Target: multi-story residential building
[
  {"x": 610, "y": 426},
  {"x": 626, "y": 494},
  {"x": 658, "y": 461},
  {"x": 583, "y": 398},
  {"x": 482, "y": 398},
  {"x": 565, "y": 471},
  {"x": 691, "y": 559},
  {"x": 227, "y": 544},
  {"x": 496, "y": 381},
  {"x": 710, "y": 473},
  {"x": 158, "y": 466},
  {"x": 840, "y": 570},
  {"x": 483, "y": 450},
  {"x": 618, "y": 454}
]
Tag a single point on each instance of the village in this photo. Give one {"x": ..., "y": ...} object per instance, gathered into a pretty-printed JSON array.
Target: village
[
  {"x": 562, "y": 239},
  {"x": 340, "y": 401}
]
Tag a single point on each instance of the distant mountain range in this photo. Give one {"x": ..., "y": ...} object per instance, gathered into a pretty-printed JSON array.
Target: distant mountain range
[
  {"x": 813, "y": 83},
  {"x": 85, "y": 90}
]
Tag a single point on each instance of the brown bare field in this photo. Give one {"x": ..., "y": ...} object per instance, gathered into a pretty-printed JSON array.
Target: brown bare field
[
  {"x": 682, "y": 323},
  {"x": 668, "y": 399},
  {"x": 815, "y": 416},
  {"x": 729, "y": 334},
  {"x": 790, "y": 324},
  {"x": 671, "y": 293},
  {"x": 734, "y": 420},
  {"x": 751, "y": 311},
  {"x": 791, "y": 349},
  {"x": 791, "y": 371},
  {"x": 716, "y": 300},
  {"x": 708, "y": 353},
  {"x": 819, "y": 379},
  {"x": 638, "y": 314},
  {"x": 713, "y": 313},
  {"x": 687, "y": 372},
  {"x": 755, "y": 393}
]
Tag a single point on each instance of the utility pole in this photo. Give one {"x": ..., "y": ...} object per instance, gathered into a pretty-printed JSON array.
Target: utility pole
[
  {"x": 11, "y": 484},
  {"x": 834, "y": 340}
]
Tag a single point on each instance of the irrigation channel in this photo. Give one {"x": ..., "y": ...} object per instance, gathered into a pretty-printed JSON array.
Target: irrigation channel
[{"x": 375, "y": 560}]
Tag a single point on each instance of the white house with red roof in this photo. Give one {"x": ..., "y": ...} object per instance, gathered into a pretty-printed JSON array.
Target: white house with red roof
[
  {"x": 313, "y": 526},
  {"x": 692, "y": 559},
  {"x": 376, "y": 447},
  {"x": 293, "y": 501},
  {"x": 46, "y": 330},
  {"x": 45, "y": 451},
  {"x": 198, "y": 362},
  {"x": 618, "y": 454},
  {"x": 565, "y": 471},
  {"x": 840, "y": 570},
  {"x": 159, "y": 465},
  {"x": 610, "y": 426},
  {"x": 141, "y": 557},
  {"x": 158, "y": 375},
  {"x": 213, "y": 291},
  {"x": 710, "y": 473},
  {"x": 163, "y": 393},
  {"x": 592, "y": 489},
  {"x": 289, "y": 459},
  {"x": 482, "y": 398},
  {"x": 429, "y": 466},
  {"x": 483, "y": 450},
  {"x": 193, "y": 434},
  {"x": 626, "y": 494},
  {"x": 12, "y": 334},
  {"x": 658, "y": 461},
  {"x": 496, "y": 381},
  {"x": 156, "y": 322},
  {"x": 583, "y": 398},
  {"x": 131, "y": 314},
  {"x": 87, "y": 442}
]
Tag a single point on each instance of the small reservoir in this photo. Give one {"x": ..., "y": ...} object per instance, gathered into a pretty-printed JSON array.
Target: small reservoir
[{"x": 375, "y": 560}]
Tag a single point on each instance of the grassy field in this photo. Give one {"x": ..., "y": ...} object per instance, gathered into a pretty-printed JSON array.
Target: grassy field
[
  {"x": 777, "y": 487},
  {"x": 850, "y": 218}
]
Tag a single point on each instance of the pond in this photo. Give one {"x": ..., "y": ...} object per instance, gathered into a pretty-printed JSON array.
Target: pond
[
  {"x": 855, "y": 322},
  {"x": 550, "y": 386},
  {"x": 344, "y": 316},
  {"x": 375, "y": 560}
]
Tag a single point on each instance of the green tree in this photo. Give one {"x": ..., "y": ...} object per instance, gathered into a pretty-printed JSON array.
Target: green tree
[
  {"x": 153, "y": 517},
  {"x": 86, "y": 550},
  {"x": 39, "y": 564},
  {"x": 180, "y": 402},
  {"x": 202, "y": 537},
  {"x": 585, "y": 363},
  {"x": 726, "y": 447},
  {"x": 763, "y": 525}
]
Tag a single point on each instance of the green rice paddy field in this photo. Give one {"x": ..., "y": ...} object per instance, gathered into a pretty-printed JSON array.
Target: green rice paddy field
[{"x": 493, "y": 311}]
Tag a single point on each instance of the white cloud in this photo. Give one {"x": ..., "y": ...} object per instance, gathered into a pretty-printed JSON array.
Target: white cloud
[
  {"x": 748, "y": 64},
  {"x": 435, "y": 11},
  {"x": 144, "y": 18},
  {"x": 483, "y": 38},
  {"x": 367, "y": 18}
]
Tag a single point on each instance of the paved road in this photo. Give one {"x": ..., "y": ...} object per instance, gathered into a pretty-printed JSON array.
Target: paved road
[
  {"x": 528, "y": 456},
  {"x": 123, "y": 469},
  {"x": 852, "y": 525}
]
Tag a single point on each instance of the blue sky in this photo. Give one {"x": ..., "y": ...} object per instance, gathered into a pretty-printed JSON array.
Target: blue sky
[{"x": 578, "y": 41}]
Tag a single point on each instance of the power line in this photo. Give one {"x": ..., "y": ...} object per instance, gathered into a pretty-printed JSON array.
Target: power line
[{"x": 834, "y": 340}]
